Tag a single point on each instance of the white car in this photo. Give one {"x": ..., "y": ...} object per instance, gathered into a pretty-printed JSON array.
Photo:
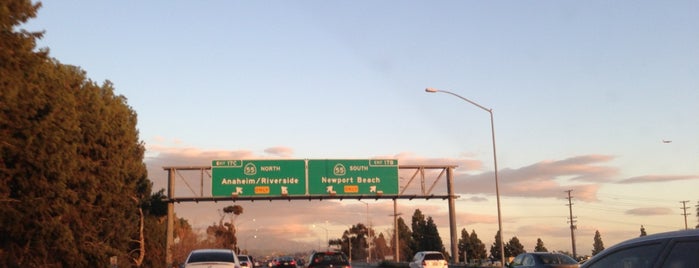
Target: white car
[
  {"x": 246, "y": 261},
  {"x": 429, "y": 259},
  {"x": 212, "y": 258}
]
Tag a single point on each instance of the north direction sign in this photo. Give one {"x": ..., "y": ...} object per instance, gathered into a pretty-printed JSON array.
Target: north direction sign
[
  {"x": 258, "y": 177},
  {"x": 347, "y": 177}
]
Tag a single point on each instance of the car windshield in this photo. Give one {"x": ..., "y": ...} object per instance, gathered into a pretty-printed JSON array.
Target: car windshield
[
  {"x": 434, "y": 256},
  {"x": 211, "y": 257},
  {"x": 329, "y": 257},
  {"x": 556, "y": 259}
]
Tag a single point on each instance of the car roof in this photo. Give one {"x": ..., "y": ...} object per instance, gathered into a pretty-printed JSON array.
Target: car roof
[
  {"x": 659, "y": 236},
  {"x": 544, "y": 253},
  {"x": 212, "y": 250},
  {"x": 328, "y": 252}
]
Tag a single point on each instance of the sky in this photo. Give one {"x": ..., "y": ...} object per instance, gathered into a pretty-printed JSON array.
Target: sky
[{"x": 583, "y": 95}]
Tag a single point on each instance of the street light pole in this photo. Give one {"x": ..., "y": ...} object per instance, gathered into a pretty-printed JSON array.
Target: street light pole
[
  {"x": 327, "y": 241},
  {"x": 368, "y": 230},
  {"x": 495, "y": 162}
]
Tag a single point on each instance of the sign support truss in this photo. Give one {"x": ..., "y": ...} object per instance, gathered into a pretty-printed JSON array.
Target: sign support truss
[{"x": 418, "y": 172}]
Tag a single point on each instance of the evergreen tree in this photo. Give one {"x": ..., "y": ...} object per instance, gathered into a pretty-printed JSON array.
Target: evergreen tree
[
  {"x": 478, "y": 248},
  {"x": 514, "y": 248},
  {"x": 643, "y": 231},
  {"x": 404, "y": 241},
  {"x": 71, "y": 160},
  {"x": 405, "y": 237},
  {"x": 598, "y": 245},
  {"x": 464, "y": 246},
  {"x": 425, "y": 234},
  {"x": 495, "y": 248},
  {"x": 381, "y": 249},
  {"x": 418, "y": 227},
  {"x": 432, "y": 240},
  {"x": 540, "y": 246},
  {"x": 155, "y": 211},
  {"x": 354, "y": 242}
]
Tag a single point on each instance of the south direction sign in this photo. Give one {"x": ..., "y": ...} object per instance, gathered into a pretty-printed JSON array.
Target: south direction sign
[
  {"x": 353, "y": 176},
  {"x": 258, "y": 177}
]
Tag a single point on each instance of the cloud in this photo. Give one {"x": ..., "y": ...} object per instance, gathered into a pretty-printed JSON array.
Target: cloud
[
  {"x": 476, "y": 199},
  {"x": 544, "y": 179},
  {"x": 280, "y": 151},
  {"x": 657, "y": 178},
  {"x": 542, "y": 230},
  {"x": 580, "y": 168},
  {"x": 649, "y": 211},
  {"x": 464, "y": 164}
]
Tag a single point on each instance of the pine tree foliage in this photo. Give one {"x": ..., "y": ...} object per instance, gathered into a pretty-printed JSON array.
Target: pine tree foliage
[
  {"x": 598, "y": 245},
  {"x": 478, "y": 251},
  {"x": 514, "y": 247},
  {"x": 540, "y": 246},
  {"x": 464, "y": 246},
  {"x": 71, "y": 160},
  {"x": 425, "y": 234},
  {"x": 381, "y": 248},
  {"x": 495, "y": 247},
  {"x": 404, "y": 241},
  {"x": 354, "y": 242},
  {"x": 471, "y": 246}
]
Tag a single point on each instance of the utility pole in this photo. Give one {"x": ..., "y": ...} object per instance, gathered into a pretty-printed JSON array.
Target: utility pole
[
  {"x": 572, "y": 223},
  {"x": 396, "y": 237},
  {"x": 684, "y": 208}
]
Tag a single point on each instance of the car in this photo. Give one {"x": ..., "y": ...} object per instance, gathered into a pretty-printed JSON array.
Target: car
[
  {"x": 246, "y": 261},
  {"x": 677, "y": 249},
  {"x": 543, "y": 260},
  {"x": 212, "y": 258},
  {"x": 284, "y": 262},
  {"x": 429, "y": 259},
  {"x": 328, "y": 259}
]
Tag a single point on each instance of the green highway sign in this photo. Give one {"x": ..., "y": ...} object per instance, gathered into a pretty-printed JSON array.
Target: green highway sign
[
  {"x": 359, "y": 176},
  {"x": 258, "y": 177}
]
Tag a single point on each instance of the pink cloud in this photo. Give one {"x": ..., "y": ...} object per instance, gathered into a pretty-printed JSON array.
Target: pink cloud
[
  {"x": 464, "y": 165},
  {"x": 544, "y": 179},
  {"x": 657, "y": 178},
  {"x": 650, "y": 211},
  {"x": 476, "y": 199},
  {"x": 280, "y": 151}
]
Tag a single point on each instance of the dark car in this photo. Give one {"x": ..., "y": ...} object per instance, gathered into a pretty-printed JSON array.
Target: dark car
[
  {"x": 679, "y": 249},
  {"x": 284, "y": 262},
  {"x": 543, "y": 260},
  {"x": 328, "y": 259}
]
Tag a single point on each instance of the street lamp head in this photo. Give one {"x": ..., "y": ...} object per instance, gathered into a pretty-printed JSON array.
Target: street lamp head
[{"x": 431, "y": 90}]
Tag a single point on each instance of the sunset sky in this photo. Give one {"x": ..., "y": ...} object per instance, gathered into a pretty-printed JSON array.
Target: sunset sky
[{"x": 583, "y": 96}]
